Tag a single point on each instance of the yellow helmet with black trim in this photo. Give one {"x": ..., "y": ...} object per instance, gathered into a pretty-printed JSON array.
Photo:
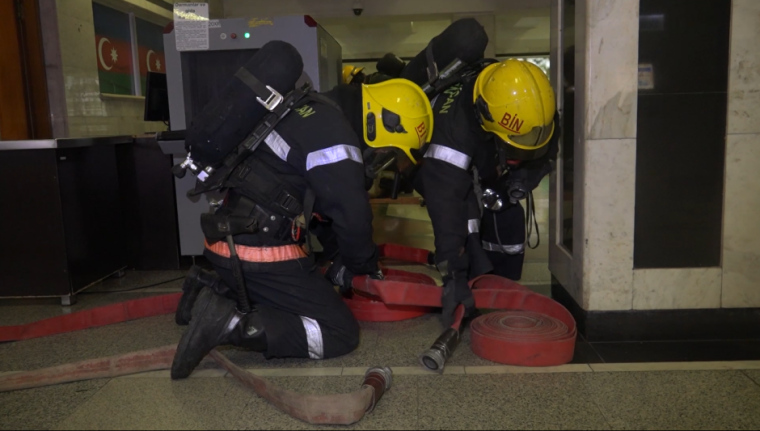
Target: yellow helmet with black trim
[
  {"x": 396, "y": 113},
  {"x": 349, "y": 72},
  {"x": 515, "y": 101}
]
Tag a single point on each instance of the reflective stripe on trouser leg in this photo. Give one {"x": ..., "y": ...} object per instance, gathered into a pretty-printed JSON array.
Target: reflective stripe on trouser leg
[
  {"x": 313, "y": 338},
  {"x": 508, "y": 249}
]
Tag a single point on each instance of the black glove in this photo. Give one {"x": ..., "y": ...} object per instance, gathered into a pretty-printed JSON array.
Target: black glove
[
  {"x": 456, "y": 290},
  {"x": 340, "y": 276},
  {"x": 343, "y": 277}
]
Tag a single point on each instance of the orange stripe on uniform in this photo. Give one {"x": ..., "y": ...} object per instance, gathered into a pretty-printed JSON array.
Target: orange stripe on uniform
[{"x": 259, "y": 254}]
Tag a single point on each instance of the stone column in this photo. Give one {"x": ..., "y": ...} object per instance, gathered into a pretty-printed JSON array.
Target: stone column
[
  {"x": 605, "y": 123},
  {"x": 741, "y": 229}
]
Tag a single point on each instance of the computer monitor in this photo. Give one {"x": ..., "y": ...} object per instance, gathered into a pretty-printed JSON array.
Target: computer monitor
[{"x": 156, "y": 98}]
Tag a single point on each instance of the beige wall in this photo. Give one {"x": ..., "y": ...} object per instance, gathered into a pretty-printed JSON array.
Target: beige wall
[{"x": 88, "y": 112}]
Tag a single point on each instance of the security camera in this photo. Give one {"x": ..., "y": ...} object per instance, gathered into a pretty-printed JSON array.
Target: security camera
[{"x": 358, "y": 8}]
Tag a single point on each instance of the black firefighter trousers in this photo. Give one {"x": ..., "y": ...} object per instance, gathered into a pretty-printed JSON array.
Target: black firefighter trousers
[{"x": 302, "y": 314}]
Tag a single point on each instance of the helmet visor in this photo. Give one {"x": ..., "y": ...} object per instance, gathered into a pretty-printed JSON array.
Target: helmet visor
[{"x": 535, "y": 138}]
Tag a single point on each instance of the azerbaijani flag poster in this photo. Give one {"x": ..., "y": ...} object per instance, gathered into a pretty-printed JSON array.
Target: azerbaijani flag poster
[
  {"x": 114, "y": 50},
  {"x": 150, "y": 49}
]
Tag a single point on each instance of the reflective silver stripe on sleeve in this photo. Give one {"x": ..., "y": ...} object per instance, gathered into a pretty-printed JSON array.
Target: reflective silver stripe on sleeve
[
  {"x": 313, "y": 338},
  {"x": 508, "y": 249},
  {"x": 334, "y": 154},
  {"x": 432, "y": 102},
  {"x": 448, "y": 155},
  {"x": 275, "y": 142},
  {"x": 473, "y": 226}
]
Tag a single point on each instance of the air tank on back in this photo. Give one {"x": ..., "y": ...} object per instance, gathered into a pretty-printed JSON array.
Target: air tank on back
[
  {"x": 464, "y": 39},
  {"x": 232, "y": 116}
]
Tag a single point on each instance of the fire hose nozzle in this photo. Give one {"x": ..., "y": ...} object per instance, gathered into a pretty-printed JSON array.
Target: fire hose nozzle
[
  {"x": 385, "y": 372},
  {"x": 380, "y": 380},
  {"x": 434, "y": 359}
]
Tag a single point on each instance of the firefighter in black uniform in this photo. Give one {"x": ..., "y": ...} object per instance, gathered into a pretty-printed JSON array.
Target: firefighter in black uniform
[
  {"x": 313, "y": 155},
  {"x": 491, "y": 145},
  {"x": 390, "y": 140}
]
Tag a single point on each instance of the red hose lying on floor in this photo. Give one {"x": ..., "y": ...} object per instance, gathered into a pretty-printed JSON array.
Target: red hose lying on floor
[
  {"x": 373, "y": 310},
  {"x": 100, "y": 316},
  {"x": 536, "y": 331},
  {"x": 101, "y": 368},
  {"x": 340, "y": 409},
  {"x": 533, "y": 331}
]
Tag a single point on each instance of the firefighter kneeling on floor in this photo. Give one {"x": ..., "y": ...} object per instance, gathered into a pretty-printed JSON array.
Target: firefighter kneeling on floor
[{"x": 296, "y": 311}]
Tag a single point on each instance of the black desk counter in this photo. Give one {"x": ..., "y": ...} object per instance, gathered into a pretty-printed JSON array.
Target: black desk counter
[{"x": 62, "y": 219}]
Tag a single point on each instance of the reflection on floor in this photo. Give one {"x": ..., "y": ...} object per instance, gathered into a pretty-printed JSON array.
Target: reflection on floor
[{"x": 472, "y": 394}]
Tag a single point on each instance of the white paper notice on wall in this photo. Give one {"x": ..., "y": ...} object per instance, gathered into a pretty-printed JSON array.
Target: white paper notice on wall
[
  {"x": 191, "y": 26},
  {"x": 646, "y": 77}
]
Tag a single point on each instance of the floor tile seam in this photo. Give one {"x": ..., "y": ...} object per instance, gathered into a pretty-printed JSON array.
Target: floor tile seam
[
  {"x": 475, "y": 370},
  {"x": 586, "y": 379},
  {"x": 586, "y": 384},
  {"x": 757, "y": 383},
  {"x": 248, "y": 402},
  {"x": 706, "y": 340},
  {"x": 81, "y": 405},
  {"x": 608, "y": 367},
  {"x": 599, "y": 355}
]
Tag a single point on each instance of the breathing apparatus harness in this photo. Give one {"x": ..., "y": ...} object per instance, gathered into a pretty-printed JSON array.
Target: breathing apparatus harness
[{"x": 263, "y": 202}]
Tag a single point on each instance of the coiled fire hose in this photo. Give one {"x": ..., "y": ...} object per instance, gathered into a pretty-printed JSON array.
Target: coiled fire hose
[{"x": 528, "y": 330}]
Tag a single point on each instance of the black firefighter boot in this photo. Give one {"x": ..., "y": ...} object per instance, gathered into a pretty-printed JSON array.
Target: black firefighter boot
[
  {"x": 196, "y": 279},
  {"x": 216, "y": 322}
]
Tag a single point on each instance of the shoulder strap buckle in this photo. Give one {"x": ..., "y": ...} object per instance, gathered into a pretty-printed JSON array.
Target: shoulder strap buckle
[{"x": 273, "y": 101}]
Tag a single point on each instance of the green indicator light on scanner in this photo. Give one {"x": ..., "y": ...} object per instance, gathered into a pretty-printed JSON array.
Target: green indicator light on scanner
[{"x": 248, "y": 35}]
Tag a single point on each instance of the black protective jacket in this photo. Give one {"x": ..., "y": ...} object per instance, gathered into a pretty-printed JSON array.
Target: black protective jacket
[
  {"x": 349, "y": 98},
  {"x": 315, "y": 147},
  {"x": 447, "y": 179}
]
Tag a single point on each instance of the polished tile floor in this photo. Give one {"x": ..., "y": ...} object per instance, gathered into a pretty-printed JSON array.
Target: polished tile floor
[{"x": 590, "y": 393}]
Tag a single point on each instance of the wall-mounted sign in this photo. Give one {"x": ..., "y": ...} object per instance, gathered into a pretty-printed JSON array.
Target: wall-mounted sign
[
  {"x": 191, "y": 26},
  {"x": 646, "y": 77}
]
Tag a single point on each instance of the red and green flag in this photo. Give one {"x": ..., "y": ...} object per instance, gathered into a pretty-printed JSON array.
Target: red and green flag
[
  {"x": 150, "y": 49},
  {"x": 114, "y": 50}
]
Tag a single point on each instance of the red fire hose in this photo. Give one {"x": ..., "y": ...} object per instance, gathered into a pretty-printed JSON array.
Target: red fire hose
[
  {"x": 532, "y": 331},
  {"x": 535, "y": 332},
  {"x": 93, "y": 318},
  {"x": 339, "y": 409}
]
